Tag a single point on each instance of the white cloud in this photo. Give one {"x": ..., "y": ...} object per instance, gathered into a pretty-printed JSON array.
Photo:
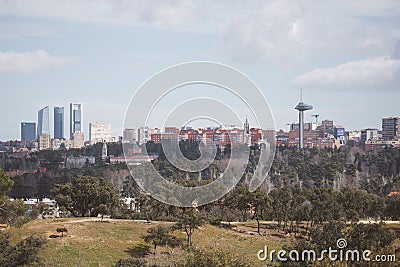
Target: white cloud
[
  {"x": 379, "y": 73},
  {"x": 284, "y": 32},
  {"x": 288, "y": 32},
  {"x": 159, "y": 13},
  {"x": 30, "y": 62}
]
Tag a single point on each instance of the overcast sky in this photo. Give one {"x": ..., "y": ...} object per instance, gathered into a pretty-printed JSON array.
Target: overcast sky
[{"x": 344, "y": 54}]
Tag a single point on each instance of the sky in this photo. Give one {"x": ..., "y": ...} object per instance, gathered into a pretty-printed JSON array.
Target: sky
[{"x": 344, "y": 54}]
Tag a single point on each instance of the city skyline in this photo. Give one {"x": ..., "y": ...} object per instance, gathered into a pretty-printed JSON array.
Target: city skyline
[
  {"x": 75, "y": 108},
  {"x": 60, "y": 110},
  {"x": 345, "y": 55}
]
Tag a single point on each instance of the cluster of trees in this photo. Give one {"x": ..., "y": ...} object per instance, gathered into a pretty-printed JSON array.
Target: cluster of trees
[
  {"x": 374, "y": 171},
  {"x": 87, "y": 196},
  {"x": 14, "y": 213},
  {"x": 358, "y": 237},
  {"x": 24, "y": 253},
  {"x": 291, "y": 208},
  {"x": 11, "y": 212}
]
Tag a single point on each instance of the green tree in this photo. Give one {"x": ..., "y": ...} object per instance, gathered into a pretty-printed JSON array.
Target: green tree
[
  {"x": 85, "y": 194},
  {"x": 159, "y": 236},
  {"x": 103, "y": 209},
  {"x": 240, "y": 199},
  {"x": 325, "y": 236},
  {"x": 25, "y": 252},
  {"x": 369, "y": 236},
  {"x": 189, "y": 221},
  {"x": 130, "y": 188},
  {"x": 393, "y": 207},
  {"x": 5, "y": 183},
  {"x": 62, "y": 230},
  {"x": 260, "y": 203},
  {"x": 11, "y": 212}
]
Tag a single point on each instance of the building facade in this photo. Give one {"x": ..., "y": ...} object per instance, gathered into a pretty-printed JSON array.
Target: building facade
[
  {"x": 78, "y": 140},
  {"x": 28, "y": 131},
  {"x": 75, "y": 119},
  {"x": 44, "y": 141},
  {"x": 129, "y": 136},
  {"x": 144, "y": 134},
  {"x": 381, "y": 144},
  {"x": 58, "y": 122},
  {"x": 369, "y": 134},
  {"x": 43, "y": 126},
  {"x": 390, "y": 128},
  {"x": 99, "y": 132}
]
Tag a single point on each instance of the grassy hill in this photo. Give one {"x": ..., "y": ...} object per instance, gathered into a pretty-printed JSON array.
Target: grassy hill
[{"x": 90, "y": 242}]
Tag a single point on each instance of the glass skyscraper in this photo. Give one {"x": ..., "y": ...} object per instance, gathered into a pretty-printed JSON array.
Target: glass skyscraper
[
  {"x": 58, "y": 122},
  {"x": 28, "y": 131},
  {"x": 43, "y": 121},
  {"x": 75, "y": 119}
]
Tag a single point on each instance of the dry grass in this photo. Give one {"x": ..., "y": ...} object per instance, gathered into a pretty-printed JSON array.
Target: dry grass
[{"x": 90, "y": 242}]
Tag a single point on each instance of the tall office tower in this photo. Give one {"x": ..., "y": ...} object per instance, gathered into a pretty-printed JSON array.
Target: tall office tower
[
  {"x": 43, "y": 121},
  {"x": 390, "y": 127},
  {"x": 301, "y": 107},
  {"x": 58, "y": 122},
  {"x": 28, "y": 131},
  {"x": 75, "y": 119},
  {"x": 99, "y": 132}
]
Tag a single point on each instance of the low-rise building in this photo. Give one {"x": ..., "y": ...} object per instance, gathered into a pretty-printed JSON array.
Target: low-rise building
[
  {"x": 79, "y": 162},
  {"x": 44, "y": 141}
]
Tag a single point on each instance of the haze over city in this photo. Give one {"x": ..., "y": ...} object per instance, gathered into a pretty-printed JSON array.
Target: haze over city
[{"x": 345, "y": 56}]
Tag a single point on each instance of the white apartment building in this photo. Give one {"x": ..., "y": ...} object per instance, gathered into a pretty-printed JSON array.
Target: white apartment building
[{"x": 99, "y": 132}]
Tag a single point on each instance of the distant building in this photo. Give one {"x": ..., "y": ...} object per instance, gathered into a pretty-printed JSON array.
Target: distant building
[
  {"x": 129, "y": 136},
  {"x": 104, "y": 151},
  {"x": 44, "y": 141},
  {"x": 369, "y": 134},
  {"x": 390, "y": 128},
  {"x": 75, "y": 119},
  {"x": 28, "y": 131},
  {"x": 170, "y": 129},
  {"x": 79, "y": 162},
  {"x": 380, "y": 144},
  {"x": 58, "y": 122},
  {"x": 43, "y": 121},
  {"x": 307, "y": 126},
  {"x": 144, "y": 134},
  {"x": 99, "y": 132},
  {"x": 158, "y": 137},
  {"x": 78, "y": 140},
  {"x": 282, "y": 138},
  {"x": 59, "y": 143}
]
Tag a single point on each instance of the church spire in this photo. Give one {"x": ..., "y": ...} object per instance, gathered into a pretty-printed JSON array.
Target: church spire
[{"x": 246, "y": 126}]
